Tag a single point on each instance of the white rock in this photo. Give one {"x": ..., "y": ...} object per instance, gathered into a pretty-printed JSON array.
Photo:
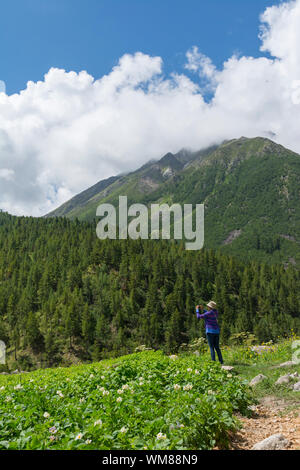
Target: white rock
[
  {"x": 297, "y": 387},
  {"x": 252, "y": 407},
  {"x": 275, "y": 442},
  {"x": 229, "y": 368},
  {"x": 295, "y": 375},
  {"x": 287, "y": 364},
  {"x": 260, "y": 349},
  {"x": 284, "y": 379},
  {"x": 256, "y": 380}
]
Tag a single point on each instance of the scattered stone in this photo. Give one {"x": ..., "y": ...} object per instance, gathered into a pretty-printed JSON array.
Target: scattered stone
[
  {"x": 297, "y": 387},
  {"x": 229, "y": 368},
  {"x": 256, "y": 380},
  {"x": 252, "y": 407},
  {"x": 295, "y": 375},
  {"x": 260, "y": 349},
  {"x": 15, "y": 372},
  {"x": 284, "y": 379},
  {"x": 287, "y": 364},
  {"x": 4, "y": 373},
  {"x": 275, "y": 442},
  {"x": 141, "y": 348}
]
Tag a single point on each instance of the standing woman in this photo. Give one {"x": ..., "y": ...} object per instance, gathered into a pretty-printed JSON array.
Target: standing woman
[{"x": 212, "y": 328}]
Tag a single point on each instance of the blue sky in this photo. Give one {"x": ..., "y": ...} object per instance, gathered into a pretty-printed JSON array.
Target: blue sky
[
  {"x": 160, "y": 75},
  {"x": 93, "y": 34}
]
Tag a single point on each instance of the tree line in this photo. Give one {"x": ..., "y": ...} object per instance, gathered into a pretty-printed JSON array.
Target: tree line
[{"x": 64, "y": 293}]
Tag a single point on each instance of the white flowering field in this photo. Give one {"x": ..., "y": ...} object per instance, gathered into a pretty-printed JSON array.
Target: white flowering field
[{"x": 142, "y": 401}]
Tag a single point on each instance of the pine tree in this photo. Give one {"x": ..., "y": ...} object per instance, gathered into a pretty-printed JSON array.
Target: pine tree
[
  {"x": 173, "y": 333},
  {"x": 33, "y": 337}
]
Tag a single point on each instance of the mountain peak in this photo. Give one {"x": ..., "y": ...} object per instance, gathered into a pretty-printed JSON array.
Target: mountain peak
[
  {"x": 236, "y": 150},
  {"x": 249, "y": 187},
  {"x": 169, "y": 160},
  {"x": 184, "y": 155},
  {"x": 263, "y": 142}
]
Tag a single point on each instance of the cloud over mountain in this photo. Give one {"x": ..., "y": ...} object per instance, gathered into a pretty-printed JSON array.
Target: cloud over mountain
[{"x": 62, "y": 134}]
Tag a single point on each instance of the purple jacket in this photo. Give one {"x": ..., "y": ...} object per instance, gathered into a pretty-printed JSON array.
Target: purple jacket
[{"x": 211, "y": 320}]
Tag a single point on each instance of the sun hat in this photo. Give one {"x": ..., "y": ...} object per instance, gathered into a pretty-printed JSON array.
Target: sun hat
[{"x": 212, "y": 304}]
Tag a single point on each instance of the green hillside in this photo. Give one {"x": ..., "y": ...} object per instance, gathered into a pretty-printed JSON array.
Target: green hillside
[
  {"x": 66, "y": 296},
  {"x": 148, "y": 400},
  {"x": 135, "y": 185},
  {"x": 250, "y": 188},
  {"x": 81, "y": 199}
]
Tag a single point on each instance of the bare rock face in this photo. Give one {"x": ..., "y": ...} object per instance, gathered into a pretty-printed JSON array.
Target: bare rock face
[
  {"x": 232, "y": 236},
  {"x": 256, "y": 380},
  {"x": 275, "y": 442}
]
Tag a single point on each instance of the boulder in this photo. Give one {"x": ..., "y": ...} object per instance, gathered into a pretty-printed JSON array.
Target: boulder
[
  {"x": 284, "y": 379},
  {"x": 260, "y": 349},
  {"x": 295, "y": 375},
  {"x": 252, "y": 408},
  {"x": 296, "y": 387},
  {"x": 275, "y": 442},
  {"x": 287, "y": 364},
  {"x": 256, "y": 380}
]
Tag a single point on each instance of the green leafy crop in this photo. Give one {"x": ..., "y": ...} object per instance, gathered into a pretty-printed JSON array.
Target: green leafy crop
[{"x": 146, "y": 400}]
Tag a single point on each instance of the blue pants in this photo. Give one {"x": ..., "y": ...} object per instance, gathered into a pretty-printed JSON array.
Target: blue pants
[{"x": 213, "y": 342}]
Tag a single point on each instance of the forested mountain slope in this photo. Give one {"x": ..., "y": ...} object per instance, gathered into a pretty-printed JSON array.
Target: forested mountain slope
[
  {"x": 65, "y": 294},
  {"x": 250, "y": 188}
]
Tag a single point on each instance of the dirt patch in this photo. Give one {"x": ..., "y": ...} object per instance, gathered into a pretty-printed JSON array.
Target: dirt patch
[{"x": 270, "y": 417}]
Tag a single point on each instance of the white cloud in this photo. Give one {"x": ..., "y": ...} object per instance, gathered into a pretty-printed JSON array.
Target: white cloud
[
  {"x": 7, "y": 174},
  {"x": 63, "y": 134},
  {"x": 198, "y": 62}
]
